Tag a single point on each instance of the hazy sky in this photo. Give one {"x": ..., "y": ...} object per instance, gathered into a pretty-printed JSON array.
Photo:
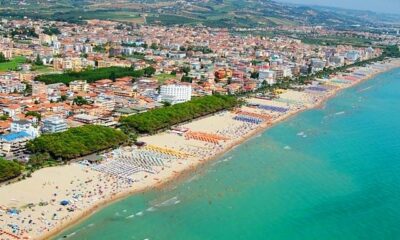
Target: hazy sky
[{"x": 392, "y": 6}]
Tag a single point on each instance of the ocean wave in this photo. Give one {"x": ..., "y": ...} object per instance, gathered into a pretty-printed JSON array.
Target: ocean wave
[
  {"x": 168, "y": 202},
  {"x": 151, "y": 209},
  {"x": 68, "y": 235},
  {"x": 365, "y": 89},
  {"x": 340, "y": 113},
  {"x": 227, "y": 159},
  {"x": 287, "y": 147},
  {"x": 139, "y": 213}
]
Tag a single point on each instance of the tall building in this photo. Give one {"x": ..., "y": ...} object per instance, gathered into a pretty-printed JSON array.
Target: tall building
[
  {"x": 13, "y": 145},
  {"x": 78, "y": 86},
  {"x": 176, "y": 93},
  {"x": 39, "y": 88},
  {"x": 266, "y": 75}
]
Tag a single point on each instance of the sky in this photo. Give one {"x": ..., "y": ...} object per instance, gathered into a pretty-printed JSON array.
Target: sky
[{"x": 385, "y": 6}]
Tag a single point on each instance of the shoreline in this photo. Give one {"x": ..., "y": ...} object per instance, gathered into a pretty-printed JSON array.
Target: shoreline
[{"x": 174, "y": 176}]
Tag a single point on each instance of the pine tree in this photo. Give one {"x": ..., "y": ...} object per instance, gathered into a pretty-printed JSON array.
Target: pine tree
[
  {"x": 38, "y": 61},
  {"x": 2, "y": 58}
]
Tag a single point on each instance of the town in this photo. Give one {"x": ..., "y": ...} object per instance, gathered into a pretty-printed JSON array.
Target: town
[{"x": 172, "y": 65}]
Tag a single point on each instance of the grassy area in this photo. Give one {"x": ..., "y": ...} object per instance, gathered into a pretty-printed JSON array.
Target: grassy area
[
  {"x": 42, "y": 69},
  {"x": 337, "y": 40},
  {"x": 169, "y": 19},
  {"x": 13, "y": 64},
  {"x": 91, "y": 75},
  {"x": 161, "y": 78}
]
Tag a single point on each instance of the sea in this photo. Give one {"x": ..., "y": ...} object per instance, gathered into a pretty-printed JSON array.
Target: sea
[{"x": 326, "y": 173}]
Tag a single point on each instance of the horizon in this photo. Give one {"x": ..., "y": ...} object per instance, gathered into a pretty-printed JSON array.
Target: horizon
[{"x": 383, "y": 6}]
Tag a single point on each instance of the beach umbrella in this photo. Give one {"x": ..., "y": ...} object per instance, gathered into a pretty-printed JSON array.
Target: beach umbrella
[{"x": 64, "y": 202}]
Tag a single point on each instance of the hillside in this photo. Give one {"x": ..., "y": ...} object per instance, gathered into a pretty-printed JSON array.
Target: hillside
[{"x": 213, "y": 13}]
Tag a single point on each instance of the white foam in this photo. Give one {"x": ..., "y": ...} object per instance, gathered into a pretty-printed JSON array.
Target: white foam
[
  {"x": 139, "y": 214},
  {"x": 365, "y": 89},
  {"x": 168, "y": 202},
  {"x": 340, "y": 113},
  {"x": 151, "y": 209}
]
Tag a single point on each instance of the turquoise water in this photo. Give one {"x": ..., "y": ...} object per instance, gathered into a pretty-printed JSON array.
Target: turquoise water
[{"x": 331, "y": 173}]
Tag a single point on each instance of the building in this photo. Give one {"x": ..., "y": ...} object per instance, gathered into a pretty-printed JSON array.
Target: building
[
  {"x": 266, "y": 75},
  {"x": 24, "y": 126},
  {"x": 87, "y": 119},
  {"x": 175, "y": 93},
  {"x": 13, "y": 145},
  {"x": 353, "y": 56},
  {"x": 78, "y": 86},
  {"x": 11, "y": 86},
  {"x": 39, "y": 88},
  {"x": 54, "y": 125}
]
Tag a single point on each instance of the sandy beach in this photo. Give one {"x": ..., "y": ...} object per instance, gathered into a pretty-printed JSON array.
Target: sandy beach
[{"x": 55, "y": 198}]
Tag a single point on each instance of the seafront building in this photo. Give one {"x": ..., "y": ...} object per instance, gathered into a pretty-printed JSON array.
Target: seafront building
[
  {"x": 54, "y": 125},
  {"x": 13, "y": 145},
  {"x": 176, "y": 93}
]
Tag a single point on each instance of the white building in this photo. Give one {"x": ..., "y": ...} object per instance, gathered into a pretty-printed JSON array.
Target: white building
[
  {"x": 352, "y": 56},
  {"x": 175, "y": 93},
  {"x": 24, "y": 126},
  {"x": 266, "y": 75},
  {"x": 54, "y": 125}
]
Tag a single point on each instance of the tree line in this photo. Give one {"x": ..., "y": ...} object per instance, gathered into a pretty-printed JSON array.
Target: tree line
[
  {"x": 92, "y": 75},
  {"x": 162, "y": 118},
  {"x": 9, "y": 169},
  {"x": 77, "y": 142}
]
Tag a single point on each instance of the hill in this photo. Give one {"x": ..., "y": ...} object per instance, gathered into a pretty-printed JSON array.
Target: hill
[{"x": 213, "y": 13}]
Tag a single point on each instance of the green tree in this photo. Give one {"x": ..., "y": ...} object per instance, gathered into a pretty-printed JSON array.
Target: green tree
[
  {"x": 162, "y": 118},
  {"x": 254, "y": 75},
  {"x": 187, "y": 79},
  {"x": 38, "y": 60},
  {"x": 34, "y": 114},
  {"x": 77, "y": 142},
  {"x": 154, "y": 46},
  {"x": 186, "y": 70},
  {"x": 149, "y": 71},
  {"x": 113, "y": 76},
  {"x": 9, "y": 169},
  {"x": 39, "y": 159},
  {"x": 79, "y": 100},
  {"x": 63, "y": 98},
  {"x": 2, "y": 58}
]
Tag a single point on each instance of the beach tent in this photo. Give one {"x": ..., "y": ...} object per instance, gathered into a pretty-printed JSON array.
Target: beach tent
[
  {"x": 64, "y": 202},
  {"x": 13, "y": 211}
]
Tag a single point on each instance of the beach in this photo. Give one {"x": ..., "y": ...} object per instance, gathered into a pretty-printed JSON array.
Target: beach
[{"x": 166, "y": 156}]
